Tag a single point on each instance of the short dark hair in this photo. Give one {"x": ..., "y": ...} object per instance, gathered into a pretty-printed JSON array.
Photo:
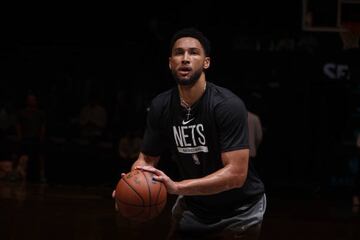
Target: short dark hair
[{"x": 194, "y": 33}]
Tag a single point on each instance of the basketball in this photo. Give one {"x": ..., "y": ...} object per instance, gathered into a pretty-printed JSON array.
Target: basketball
[{"x": 139, "y": 197}]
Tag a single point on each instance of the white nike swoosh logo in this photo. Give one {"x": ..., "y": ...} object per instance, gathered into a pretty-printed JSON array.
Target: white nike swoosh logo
[{"x": 186, "y": 122}]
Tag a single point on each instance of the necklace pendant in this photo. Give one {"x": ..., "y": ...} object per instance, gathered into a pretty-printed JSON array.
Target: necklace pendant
[{"x": 188, "y": 114}]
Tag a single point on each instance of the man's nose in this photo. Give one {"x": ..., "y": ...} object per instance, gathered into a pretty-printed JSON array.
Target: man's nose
[{"x": 186, "y": 58}]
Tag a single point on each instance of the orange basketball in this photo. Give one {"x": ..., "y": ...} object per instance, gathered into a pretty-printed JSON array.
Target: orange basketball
[{"x": 139, "y": 197}]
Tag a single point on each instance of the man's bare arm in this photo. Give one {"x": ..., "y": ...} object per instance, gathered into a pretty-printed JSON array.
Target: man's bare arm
[
  {"x": 145, "y": 160},
  {"x": 232, "y": 175}
]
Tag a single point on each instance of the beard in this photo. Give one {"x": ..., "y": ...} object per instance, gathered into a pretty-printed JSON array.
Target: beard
[{"x": 188, "y": 82}]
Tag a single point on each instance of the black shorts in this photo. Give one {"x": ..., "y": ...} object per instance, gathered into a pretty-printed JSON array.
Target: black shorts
[{"x": 246, "y": 221}]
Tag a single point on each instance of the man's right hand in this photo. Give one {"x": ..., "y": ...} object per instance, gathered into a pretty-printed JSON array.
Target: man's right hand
[
  {"x": 116, "y": 206},
  {"x": 114, "y": 192}
]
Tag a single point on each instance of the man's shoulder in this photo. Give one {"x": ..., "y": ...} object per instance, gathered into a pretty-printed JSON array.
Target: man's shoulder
[
  {"x": 221, "y": 91},
  {"x": 165, "y": 94},
  {"x": 163, "y": 97},
  {"x": 223, "y": 95},
  {"x": 162, "y": 101}
]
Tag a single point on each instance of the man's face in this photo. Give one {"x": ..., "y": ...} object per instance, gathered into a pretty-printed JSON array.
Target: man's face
[{"x": 188, "y": 61}]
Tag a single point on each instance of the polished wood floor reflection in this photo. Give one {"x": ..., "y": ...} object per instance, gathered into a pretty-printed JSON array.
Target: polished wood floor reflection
[{"x": 46, "y": 211}]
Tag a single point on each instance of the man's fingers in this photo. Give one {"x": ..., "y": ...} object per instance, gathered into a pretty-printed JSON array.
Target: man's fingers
[
  {"x": 150, "y": 169},
  {"x": 158, "y": 178},
  {"x": 113, "y": 195},
  {"x": 116, "y": 206}
]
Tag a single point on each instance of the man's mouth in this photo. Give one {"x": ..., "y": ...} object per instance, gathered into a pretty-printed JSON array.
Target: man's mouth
[{"x": 184, "y": 70}]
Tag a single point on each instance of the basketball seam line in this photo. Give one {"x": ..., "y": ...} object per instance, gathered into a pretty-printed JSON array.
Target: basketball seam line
[
  {"x": 146, "y": 180},
  {"x": 143, "y": 202},
  {"x": 134, "y": 191}
]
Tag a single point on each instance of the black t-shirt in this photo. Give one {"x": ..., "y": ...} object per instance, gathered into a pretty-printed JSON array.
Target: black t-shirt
[{"x": 217, "y": 123}]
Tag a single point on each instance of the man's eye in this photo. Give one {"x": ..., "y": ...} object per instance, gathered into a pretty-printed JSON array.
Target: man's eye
[{"x": 178, "y": 51}]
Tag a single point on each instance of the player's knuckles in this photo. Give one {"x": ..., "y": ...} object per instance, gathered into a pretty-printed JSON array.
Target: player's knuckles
[{"x": 147, "y": 168}]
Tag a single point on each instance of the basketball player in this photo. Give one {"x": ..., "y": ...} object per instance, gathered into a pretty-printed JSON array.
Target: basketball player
[{"x": 205, "y": 128}]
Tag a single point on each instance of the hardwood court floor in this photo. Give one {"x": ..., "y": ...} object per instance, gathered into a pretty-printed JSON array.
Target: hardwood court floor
[{"x": 37, "y": 211}]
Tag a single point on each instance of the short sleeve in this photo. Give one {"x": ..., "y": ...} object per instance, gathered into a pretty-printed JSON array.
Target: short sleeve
[{"x": 231, "y": 118}]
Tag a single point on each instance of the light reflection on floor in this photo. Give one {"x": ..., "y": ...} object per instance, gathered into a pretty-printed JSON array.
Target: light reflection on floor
[{"x": 45, "y": 211}]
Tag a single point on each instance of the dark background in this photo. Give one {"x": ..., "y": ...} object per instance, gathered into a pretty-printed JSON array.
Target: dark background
[{"x": 260, "y": 52}]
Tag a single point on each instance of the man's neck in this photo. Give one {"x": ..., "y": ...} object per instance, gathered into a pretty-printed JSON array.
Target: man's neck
[{"x": 190, "y": 94}]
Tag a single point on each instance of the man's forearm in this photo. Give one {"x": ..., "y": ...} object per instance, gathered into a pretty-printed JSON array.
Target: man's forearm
[
  {"x": 219, "y": 181},
  {"x": 144, "y": 160}
]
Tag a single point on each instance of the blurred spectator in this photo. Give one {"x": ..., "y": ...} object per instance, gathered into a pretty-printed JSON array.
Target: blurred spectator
[
  {"x": 253, "y": 104},
  {"x": 7, "y": 119},
  {"x": 129, "y": 147},
  {"x": 7, "y": 124},
  {"x": 255, "y": 133},
  {"x": 121, "y": 113},
  {"x": 356, "y": 191},
  {"x": 31, "y": 128},
  {"x": 255, "y": 139},
  {"x": 93, "y": 119}
]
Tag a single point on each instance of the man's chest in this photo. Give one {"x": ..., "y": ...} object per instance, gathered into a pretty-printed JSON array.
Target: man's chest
[{"x": 191, "y": 135}]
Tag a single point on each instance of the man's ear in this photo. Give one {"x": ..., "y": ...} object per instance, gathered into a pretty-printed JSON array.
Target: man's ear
[
  {"x": 207, "y": 63},
  {"x": 170, "y": 63}
]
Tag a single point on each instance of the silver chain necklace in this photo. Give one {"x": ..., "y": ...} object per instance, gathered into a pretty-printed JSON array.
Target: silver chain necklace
[{"x": 187, "y": 105}]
